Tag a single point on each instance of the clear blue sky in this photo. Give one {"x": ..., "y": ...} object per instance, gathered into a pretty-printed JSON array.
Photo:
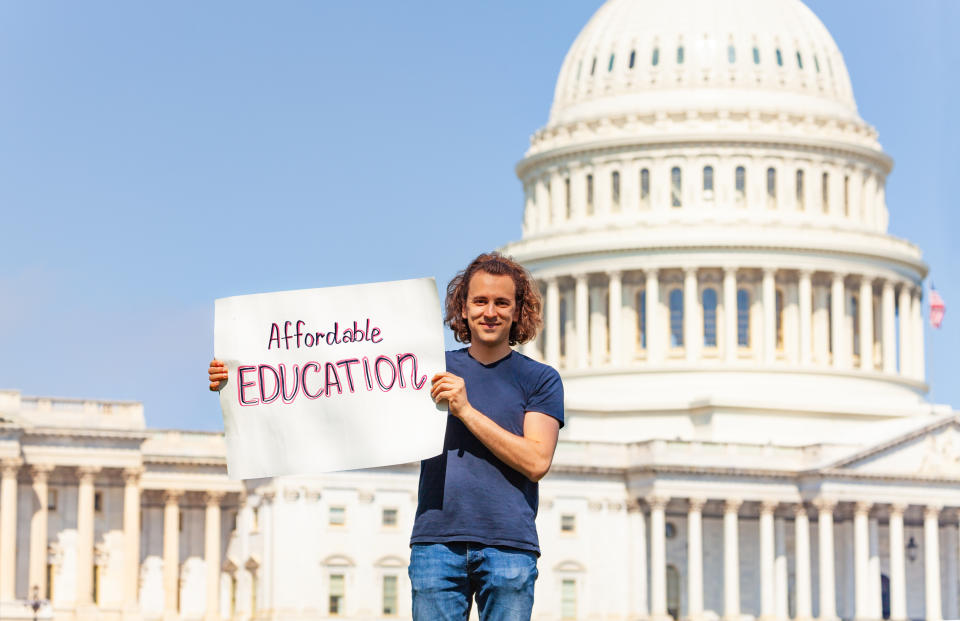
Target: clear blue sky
[{"x": 156, "y": 156}]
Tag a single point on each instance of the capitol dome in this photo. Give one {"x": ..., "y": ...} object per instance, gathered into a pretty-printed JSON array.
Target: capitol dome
[{"x": 706, "y": 213}]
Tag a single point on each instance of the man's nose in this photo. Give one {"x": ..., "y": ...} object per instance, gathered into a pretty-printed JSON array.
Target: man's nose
[{"x": 489, "y": 310}]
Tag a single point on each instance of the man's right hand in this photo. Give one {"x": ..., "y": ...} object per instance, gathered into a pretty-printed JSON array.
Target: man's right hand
[{"x": 218, "y": 375}]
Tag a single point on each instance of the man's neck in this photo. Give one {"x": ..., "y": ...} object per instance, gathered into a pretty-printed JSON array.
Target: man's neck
[{"x": 485, "y": 354}]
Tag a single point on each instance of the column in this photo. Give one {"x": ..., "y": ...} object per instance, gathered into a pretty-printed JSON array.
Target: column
[
  {"x": 766, "y": 559},
  {"x": 950, "y": 571},
  {"x": 931, "y": 557},
  {"x": 769, "y": 292},
  {"x": 828, "y": 598},
  {"x": 874, "y": 603},
  {"x": 638, "y": 541},
  {"x": 598, "y": 328},
  {"x": 695, "y": 559},
  {"x": 85, "y": 493},
  {"x": 865, "y": 306},
  {"x": 692, "y": 325},
  {"x": 211, "y": 545},
  {"x": 131, "y": 537},
  {"x": 731, "y": 561},
  {"x": 8, "y": 527},
  {"x": 888, "y": 332},
  {"x": 615, "y": 316},
  {"x": 652, "y": 310},
  {"x": 552, "y": 331},
  {"x": 898, "y": 566},
  {"x": 904, "y": 309},
  {"x": 805, "y": 293},
  {"x": 781, "y": 607},
  {"x": 801, "y": 525},
  {"x": 658, "y": 559},
  {"x": 582, "y": 316},
  {"x": 861, "y": 544},
  {"x": 837, "y": 309},
  {"x": 38, "y": 529},
  {"x": 919, "y": 361},
  {"x": 171, "y": 552},
  {"x": 730, "y": 313},
  {"x": 542, "y": 190},
  {"x": 569, "y": 328}
]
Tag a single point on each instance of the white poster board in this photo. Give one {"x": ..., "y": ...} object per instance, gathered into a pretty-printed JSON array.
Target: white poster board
[{"x": 330, "y": 379}]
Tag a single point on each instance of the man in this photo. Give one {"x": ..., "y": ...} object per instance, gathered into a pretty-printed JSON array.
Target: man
[{"x": 474, "y": 534}]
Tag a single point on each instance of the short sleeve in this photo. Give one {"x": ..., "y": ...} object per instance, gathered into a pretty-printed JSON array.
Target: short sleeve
[{"x": 547, "y": 395}]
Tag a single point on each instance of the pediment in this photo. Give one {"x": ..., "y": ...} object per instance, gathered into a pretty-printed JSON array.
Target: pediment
[{"x": 931, "y": 451}]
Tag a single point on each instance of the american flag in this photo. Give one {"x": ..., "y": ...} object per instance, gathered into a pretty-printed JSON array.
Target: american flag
[{"x": 937, "y": 308}]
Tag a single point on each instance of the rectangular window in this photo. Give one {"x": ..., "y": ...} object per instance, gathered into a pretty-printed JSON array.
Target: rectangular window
[
  {"x": 642, "y": 313},
  {"x": 51, "y": 500},
  {"x": 338, "y": 516},
  {"x": 336, "y": 594},
  {"x": 180, "y": 521},
  {"x": 615, "y": 189},
  {"x": 566, "y": 199},
  {"x": 568, "y": 599},
  {"x": 676, "y": 186},
  {"x": 800, "y": 197},
  {"x": 740, "y": 185},
  {"x": 589, "y": 194},
  {"x": 98, "y": 502},
  {"x": 390, "y": 595},
  {"x": 846, "y": 195},
  {"x": 389, "y": 518},
  {"x": 645, "y": 188},
  {"x": 771, "y": 188},
  {"x": 825, "y": 192},
  {"x": 568, "y": 523}
]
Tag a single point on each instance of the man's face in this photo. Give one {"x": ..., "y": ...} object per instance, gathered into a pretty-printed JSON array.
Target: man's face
[{"x": 491, "y": 308}]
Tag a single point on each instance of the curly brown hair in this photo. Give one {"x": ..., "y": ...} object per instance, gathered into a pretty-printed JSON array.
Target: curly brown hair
[{"x": 528, "y": 300}]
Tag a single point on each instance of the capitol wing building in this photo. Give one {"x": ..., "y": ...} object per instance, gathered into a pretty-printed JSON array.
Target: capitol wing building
[{"x": 741, "y": 343}]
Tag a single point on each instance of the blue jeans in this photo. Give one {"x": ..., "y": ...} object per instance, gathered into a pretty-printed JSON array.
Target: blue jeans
[{"x": 445, "y": 577}]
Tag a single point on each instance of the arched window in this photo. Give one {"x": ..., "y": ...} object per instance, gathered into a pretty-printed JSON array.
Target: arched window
[
  {"x": 642, "y": 319},
  {"x": 679, "y": 54},
  {"x": 771, "y": 188},
  {"x": 610, "y": 64},
  {"x": 800, "y": 193},
  {"x": 615, "y": 190},
  {"x": 825, "y": 192},
  {"x": 645, "y": 188},
  {"x": 743, "y": 318},
  {"x": 563, "y": 326},
  {"x": 676, "y": 186},
  {"x": 709, "y": 302},
  {"x": 589, "y": 194},
  {"x": 756, "y": 55},
  {"x": 566, "y": 197},
  {"x": 655, "y": 59},
  {"x": 708, "y": 182},
  {"x": 799, "y": 61},
  {"x": 731, "y": 54},
  {"x": 633, "y": 58},
  {"x": 779, "y": 311},
  {"x": 779, "y": 58},
  {"x": 676, "y": 318},
  {"x": 740, "y": 185},
  {"x": 673, "y": 592}
]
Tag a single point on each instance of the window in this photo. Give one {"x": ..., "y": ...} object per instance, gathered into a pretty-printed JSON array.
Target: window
[
  {"x": 676, "y": 318},
  {"x": 338, "y": 516},
  {"x": 676, "y": 185},
  {"x": 51, "y": 500},
  {"x": 633, "y": 58},
  {"x": 825, "y": 192},
  {"x": 679, "y": 54},
  {"x": 568, "y": 599},
  {"x": 642, "y": 318},
  {"x": 589, "y": 194},
  {"x": 799, "y": 61},
  {"x": 568, "y": 523},
  {"x": 673, "y": 591},
  {"x": 771, "y": 188},
  {"x": 390, "y": 595},
  {"x": 610, "y": 64},
  {"x": 800, "y": 198},
  {"x": 855, "y": 313},
  {"x": 740, "y": 185},
  {"x": 655, "y": 60},
  {"x": 389, "y": 517},
  {"x": 731, "y": 54},
  {"x": 709, "y": 317},
  {"x": 98, "y": 502},
  {"x": 670, "y": 530},
  {"x": 846, "y": 195},
  {"x": 645, "y": 187},
  {"x": 593, "y": 66},
  {"x": 743, "y": 318},
  {"x": 830, "y": 320},
  {"x": 756, "y": 55},
  {"x": 566, "y": 196},
  {"x": 336, "y": 594},
  {"x": 615, "y": 189},
  {"x": 563, "y": 326},
  {"x": 779, "y": 311},
  {"x": 708, "y": 182},
  {"x": 816, "y": 63},
  {"x": 779, "y": 58}
]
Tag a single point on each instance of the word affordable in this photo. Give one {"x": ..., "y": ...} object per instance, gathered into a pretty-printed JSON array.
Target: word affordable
[{"x": 330, "y": 379}]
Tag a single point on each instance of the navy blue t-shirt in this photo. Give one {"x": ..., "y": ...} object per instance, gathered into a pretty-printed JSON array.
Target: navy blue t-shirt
[{"x": 466, "y": 493}]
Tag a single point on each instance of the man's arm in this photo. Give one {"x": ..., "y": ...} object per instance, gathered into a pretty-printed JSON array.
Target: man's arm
[{"x": 530, "y": 454}]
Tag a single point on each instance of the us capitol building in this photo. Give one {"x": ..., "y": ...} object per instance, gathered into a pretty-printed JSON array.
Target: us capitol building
[{"x": 741, "y": 343}]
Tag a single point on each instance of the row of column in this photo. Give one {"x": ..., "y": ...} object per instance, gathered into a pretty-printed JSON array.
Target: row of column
[
  {"x": 86, "y": 475},
  {"x": 773, "y": 569},
  {"x": 591, "y": 324}
]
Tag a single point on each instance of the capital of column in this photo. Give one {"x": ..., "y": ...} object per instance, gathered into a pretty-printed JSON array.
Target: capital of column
[
  {"x": 898, "y": 509},
  {"x": 690, "y": 271},
  {"x": 131, "y": 476},
  {"x": 805, "y": 273},
  {"x": 657, "y": 502},
  {"x": 172, "y": 496},
  {"x": 769, "y": 272},
  {"x": 213, "y": 498},
  {"x": 633, "y": 505},
  {"x": 86, "y": 473},
  {"x": 10, "y": 466},
  {"x": 862, "y": 507},
  {"x": 41, "y": 472},
  {"x": 932, "y": 511},
  {"x": 581, "y": 279},
  {"x": 696, "y": 504},
  {"x": 732, "y": 505},
  {"x": 799, "y": 510},
  {"x": 651, "y": 272},
  {"x": 768, "y": 506},
  {"x": 825, "y": 505},
  {"x": 550, "y": 280},
  {"x": 614, "y": 274}
]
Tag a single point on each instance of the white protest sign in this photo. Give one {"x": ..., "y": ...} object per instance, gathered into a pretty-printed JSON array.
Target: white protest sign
[{"x": 330, "y": 379}]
